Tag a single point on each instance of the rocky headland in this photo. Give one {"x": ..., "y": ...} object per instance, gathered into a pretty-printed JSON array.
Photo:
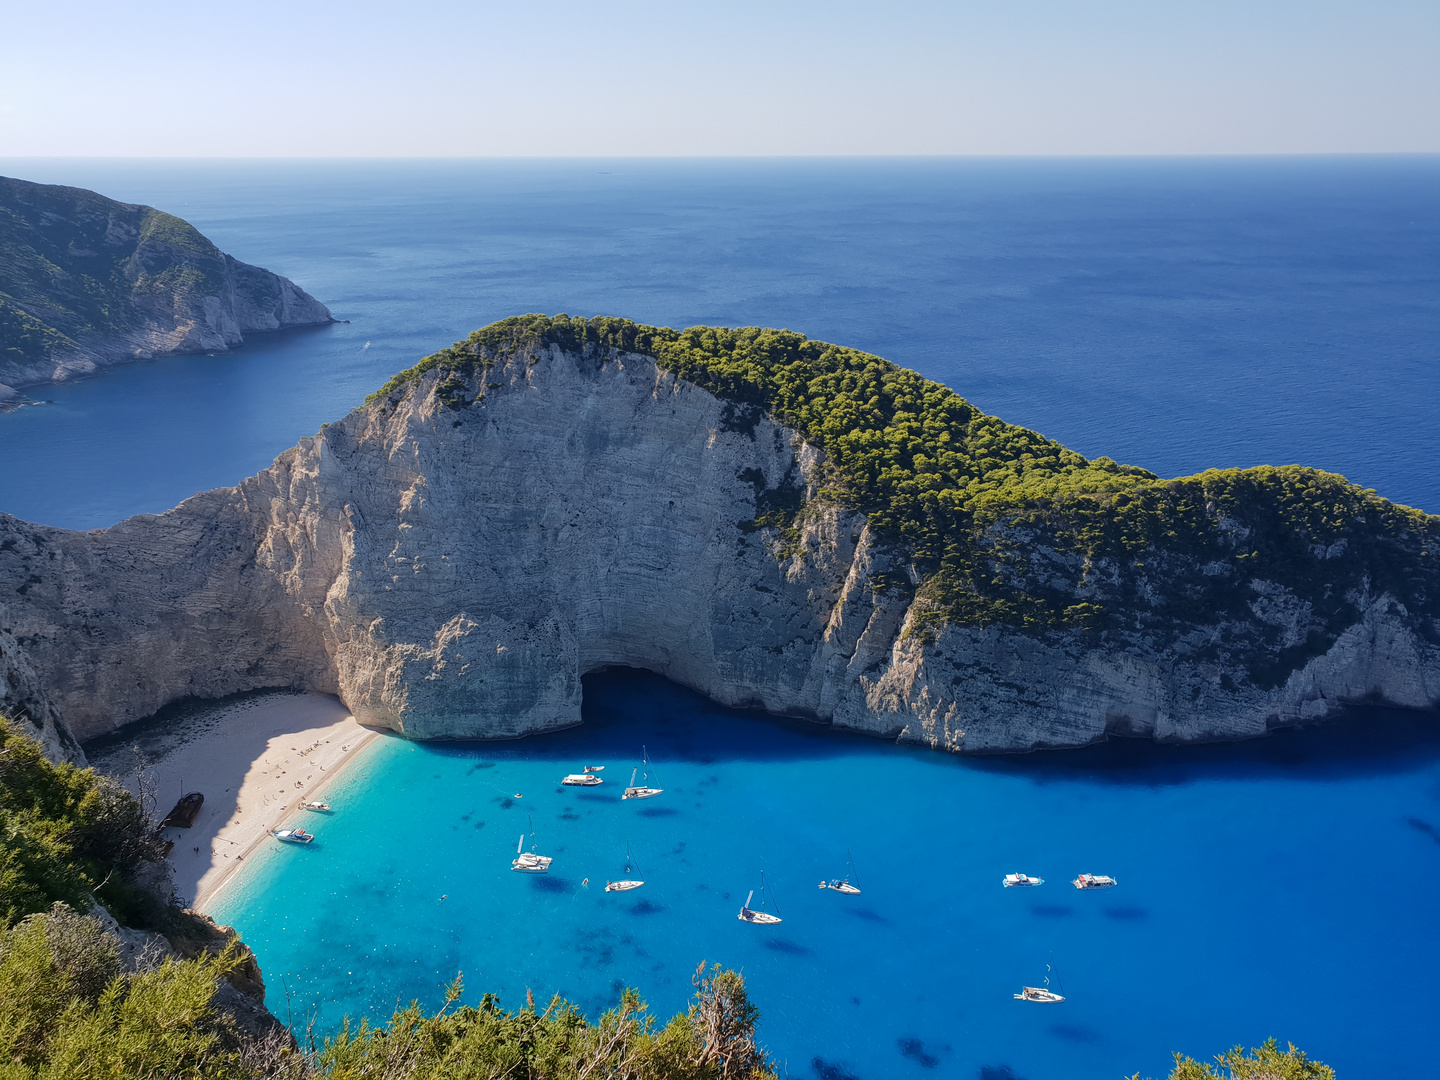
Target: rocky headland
[
  {"x": 86, "y": 281},
  {"x": 775, "y": 522}
]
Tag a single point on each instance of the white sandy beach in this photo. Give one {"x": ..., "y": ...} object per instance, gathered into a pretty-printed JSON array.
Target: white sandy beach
[{"x": 255, "y": 760}]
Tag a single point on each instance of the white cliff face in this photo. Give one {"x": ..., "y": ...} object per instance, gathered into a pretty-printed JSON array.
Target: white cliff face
[{"x": 452, "y": 564}]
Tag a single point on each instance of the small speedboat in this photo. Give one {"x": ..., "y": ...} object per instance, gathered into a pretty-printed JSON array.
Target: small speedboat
[
  {"x": 1094, "y": 881},
  {"x": 594, "y": 768},
  {"x": 321, "y": 807},
  {"x": 1022, "y": 881},
  {"x": 761, "y": 917},
  {"x": 294, "y": 836},
  {"x": 528, "y": 862},
  {"x": 642, "y": 790},
  {"x": 582, "y": 780},
  {"x": 844, "y": 885},
  {"x": 626, "y": 883}
]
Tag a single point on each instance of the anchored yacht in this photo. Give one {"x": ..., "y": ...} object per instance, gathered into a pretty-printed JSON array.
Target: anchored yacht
[
  {"x": 1094, "y": 881},
  {"x": 584, "y": 779},
  {"x": 626, "y": 883},
  {"x": 528, "y": 862},
  {"x": 643, "y": 790},
  {"x": 1040, "y": 994},
  {"x": 761, "y": 917},
  {"x": 845, "y": 884},
  {"x": 294, "y": 836},
  {"x": 1022, "y": 881}
]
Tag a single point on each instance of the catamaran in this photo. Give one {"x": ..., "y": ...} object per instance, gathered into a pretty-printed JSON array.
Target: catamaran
[
  {"x": 643, "y": 790},
  {"x": 294, "y": 836},
  {"x": 761, "y": 917},
  {"x": 582, "y": 779},
  {"x": 845, "y": 884},
  {"x": 626, "y": 883},
  {"x": 1022, "y": 881},
  {"x": 527, "y": 862},
  {"x": 1042, "y": 994},
  {"x": 1094, "y": 881}
]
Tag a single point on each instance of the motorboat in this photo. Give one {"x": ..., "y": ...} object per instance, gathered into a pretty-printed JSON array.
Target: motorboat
[
  {"x": 642, "y": 790},
  {"x": 594, "y": 768},
  {"x": 1094, "y": 881},
  {"x": 320, "y": 807},
  {"x": 1041, "y": 995},
  {"x": 528, "y": 862},
  {"x": 584, "y": 779},
  {"x": 294, "y": 836},
  {"x": 845, "y": 884},
  {"x": 1022, "y": 881},
  {"x": 628, "y": 882},
  {"x": 761, "y": 917}
]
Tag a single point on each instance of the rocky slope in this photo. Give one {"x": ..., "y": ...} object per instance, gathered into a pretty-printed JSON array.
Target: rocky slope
[
  {"x": 87, "y": 281},
  {"x": 453, "y": 557}
]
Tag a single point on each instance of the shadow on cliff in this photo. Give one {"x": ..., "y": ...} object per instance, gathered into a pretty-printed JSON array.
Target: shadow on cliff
[{"x": 625, "y": 710}]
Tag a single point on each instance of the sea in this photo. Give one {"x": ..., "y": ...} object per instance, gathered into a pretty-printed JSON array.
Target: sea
[{"x": 1178, "y": 314}]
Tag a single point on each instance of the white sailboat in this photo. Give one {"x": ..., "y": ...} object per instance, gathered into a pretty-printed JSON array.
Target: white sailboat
[
  {"x": 643, "y": 790},
  {"x": 528, "y": 862},
  {"x": 761, "y": 917},
  {"x": 626, "y": 883},
  {"x": 847, "y": 883},
  {"x": 1040, "y": 994}
]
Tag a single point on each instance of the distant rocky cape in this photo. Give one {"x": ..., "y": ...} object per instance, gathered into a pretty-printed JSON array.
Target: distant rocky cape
[
  {"x": 86, "y": 281},
  {"x": 451, "y": 559}
]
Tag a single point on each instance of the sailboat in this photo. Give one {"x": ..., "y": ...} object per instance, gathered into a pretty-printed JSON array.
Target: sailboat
[
  {"x": 527, "y": 862},
  {"x": 844, "y": 885},
  {"x": 1041, "y": 994},
  {"x": 643, "y": 790},
  {"x": 626, "y": 883},
  {"x": 761, "y": 917}
]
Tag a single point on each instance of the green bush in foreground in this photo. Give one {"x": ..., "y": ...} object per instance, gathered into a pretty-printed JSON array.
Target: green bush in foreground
[{"x": 1266, "y": 1062}]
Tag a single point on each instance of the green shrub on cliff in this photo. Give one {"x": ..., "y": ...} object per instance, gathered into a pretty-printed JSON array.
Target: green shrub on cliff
[
  {"x": 67, "y": 833},
  {"x": 969, "y": 500}
]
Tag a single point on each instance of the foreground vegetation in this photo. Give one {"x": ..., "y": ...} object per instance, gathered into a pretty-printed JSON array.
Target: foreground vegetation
[
  {"x": 970, "y": 501},
  {"x": 1266, "y": 1062}
]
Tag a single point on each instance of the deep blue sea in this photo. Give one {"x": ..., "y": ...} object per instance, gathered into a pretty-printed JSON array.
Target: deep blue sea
[{"x": 1176, "y": 314}]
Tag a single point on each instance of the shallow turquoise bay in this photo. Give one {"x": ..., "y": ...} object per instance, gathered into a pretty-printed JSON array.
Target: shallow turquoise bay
[{"x": 1284, "y": 887}]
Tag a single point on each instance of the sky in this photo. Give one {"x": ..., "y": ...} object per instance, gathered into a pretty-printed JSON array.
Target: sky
[{"x": 426, "y": 78}]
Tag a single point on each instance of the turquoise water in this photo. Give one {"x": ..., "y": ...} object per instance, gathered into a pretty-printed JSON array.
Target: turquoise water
[{"x": 1284, "y": 887}]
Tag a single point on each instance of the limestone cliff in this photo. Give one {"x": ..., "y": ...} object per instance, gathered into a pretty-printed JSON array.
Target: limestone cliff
[
  {"x": 453, "y": 557},
  {"x": 87, "y": 281}
]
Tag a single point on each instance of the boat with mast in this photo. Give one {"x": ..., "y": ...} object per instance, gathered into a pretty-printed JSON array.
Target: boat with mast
[
  {"x": 528, "y": 862},
  {"x": 761, "y": 917},
  {"x": 643, "y": 790},
  {"x": 1042, "y": 995},
  {"x": 847, "y": 884},
  {"x": 626, "y": 883}
]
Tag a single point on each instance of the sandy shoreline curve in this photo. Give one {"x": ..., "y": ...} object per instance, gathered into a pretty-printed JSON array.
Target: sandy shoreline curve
[{"x": 256, "y": 760}]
